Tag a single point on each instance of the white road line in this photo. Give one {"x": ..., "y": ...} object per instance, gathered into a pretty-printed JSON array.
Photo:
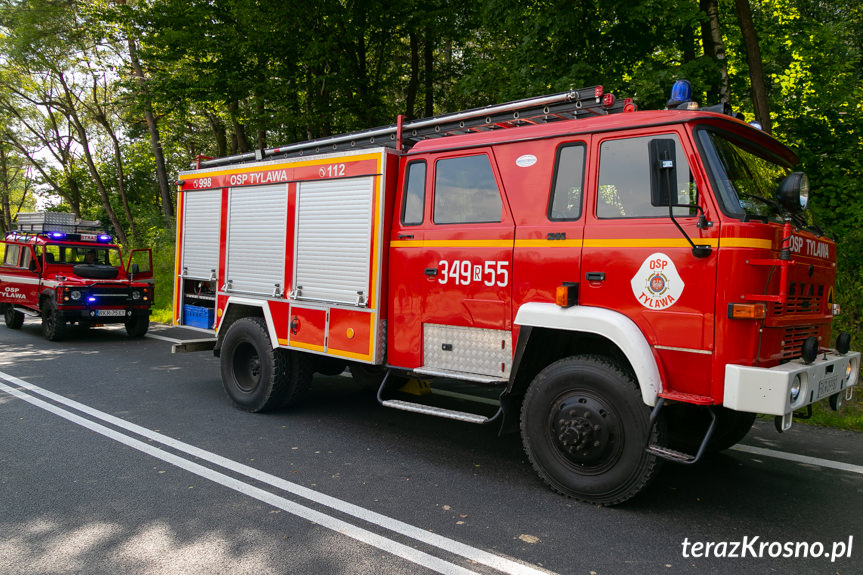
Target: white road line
[
  {"x": 800, "y": 458},
  {"x": 497, "y": 562}
]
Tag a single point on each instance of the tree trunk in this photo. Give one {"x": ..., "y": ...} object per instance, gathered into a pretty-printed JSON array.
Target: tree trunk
[
  {"x": 756, "y": 70},
  {"x": 121, "y": 184},
  {"x": 428, "y": 53},
  {"x": 5, "y": 191},
  {"x": 414, "y": 82},
  {"x": 153, "y": 127},
  {"x": 714, "y": 48},
  {"x": 84, "y": 141}
]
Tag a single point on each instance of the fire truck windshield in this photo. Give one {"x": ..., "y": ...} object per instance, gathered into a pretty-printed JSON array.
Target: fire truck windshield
[
  {"x": 746, "y": 178},
  {"x": 78, "y": 254}
]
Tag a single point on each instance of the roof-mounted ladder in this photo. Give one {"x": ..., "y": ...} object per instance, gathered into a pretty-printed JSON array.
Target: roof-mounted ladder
[{"x": 573, "y": 104}]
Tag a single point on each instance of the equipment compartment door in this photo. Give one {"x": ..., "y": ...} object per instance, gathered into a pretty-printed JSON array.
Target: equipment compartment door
[{"x": 256, "y": 240}]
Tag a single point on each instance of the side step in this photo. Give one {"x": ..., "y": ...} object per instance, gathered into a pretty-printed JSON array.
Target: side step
[
  {"x": 191, "y": 345},
  {"x": 438, "y": 411},
  {"x": 424, "y": 409},
  {"x": 27, "y": 312},
  {"x": 674, "y": 455}
]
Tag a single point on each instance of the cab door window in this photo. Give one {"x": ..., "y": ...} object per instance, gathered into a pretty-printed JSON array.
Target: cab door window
[
  {"x": 414, "y": 194},
  {"x": 567, "y": 192},
  {"x": 10, "y": 258},
  {"x": 466, "y": 191},
  {"x": 624, "y": 180}
]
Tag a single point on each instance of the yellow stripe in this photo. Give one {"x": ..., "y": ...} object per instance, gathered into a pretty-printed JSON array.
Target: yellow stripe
[
  {"x": 588, "y": 243},
  {"x": 747, "y": 243},
  {"x": 451, "y": 244},
  {"x": 647, "y": 243},
  {"x": 308, "y": 346},
  {"x": 349, "y": 354}
]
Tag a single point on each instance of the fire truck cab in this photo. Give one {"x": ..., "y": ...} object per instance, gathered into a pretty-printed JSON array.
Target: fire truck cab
[
  {"x": 629, "y": 287},
  {"x": 66, "y": 271}
]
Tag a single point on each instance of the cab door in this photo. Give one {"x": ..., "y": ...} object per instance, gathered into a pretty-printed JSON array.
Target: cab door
[
  {"x": 638, "y": 262},
  {"x": 458, "y": 262}
]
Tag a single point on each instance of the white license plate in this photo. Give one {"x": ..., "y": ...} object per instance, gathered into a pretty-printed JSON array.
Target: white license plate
[
  {"x": 829, "y": 386},
  {"x": 110, "y": 312}
]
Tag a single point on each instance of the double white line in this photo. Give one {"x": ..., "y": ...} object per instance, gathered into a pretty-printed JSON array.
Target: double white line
[{"x": 470, "y": 554}]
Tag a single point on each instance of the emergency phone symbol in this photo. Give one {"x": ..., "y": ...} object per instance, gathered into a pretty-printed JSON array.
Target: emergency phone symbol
[{"x": 656, "y": 284}]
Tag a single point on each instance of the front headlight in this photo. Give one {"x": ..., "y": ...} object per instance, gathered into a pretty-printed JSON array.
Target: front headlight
[
  {"x": 75, "y": 295},
  {"x": 136, "y": 295},
  {"x": 796, "y": 385}
]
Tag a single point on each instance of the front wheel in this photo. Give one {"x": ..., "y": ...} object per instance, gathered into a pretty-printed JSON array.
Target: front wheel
[
  {"x": 14, "y": 319},
  {"x": 137, "y": 325},
  {"x": 257, "y": 377},
  {"x": 585, "y": 428}
]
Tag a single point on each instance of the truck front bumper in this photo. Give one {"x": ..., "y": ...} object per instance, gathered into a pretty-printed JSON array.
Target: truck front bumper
[
  {"x": 783, "y": 389},
  {"x": 100, "y": 316}
]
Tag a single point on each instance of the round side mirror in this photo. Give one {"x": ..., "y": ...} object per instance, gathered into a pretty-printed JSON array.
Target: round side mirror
[{"x": 793, "y": 192}]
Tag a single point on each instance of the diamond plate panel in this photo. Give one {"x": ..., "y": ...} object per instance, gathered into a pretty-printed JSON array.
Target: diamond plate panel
[{"x": 467, "y": 349}]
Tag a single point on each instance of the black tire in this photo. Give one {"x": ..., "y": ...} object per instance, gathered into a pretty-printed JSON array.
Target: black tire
[
  {"x": 14, "y": 319},
  {"x": 585, "y": 427},
  {"x": 53, "y": 328},
  {"x": 137, "y": 325},
  {"x": 255, "y": 376},
  {"x": 96, "y": 271},
  {"x": 687, "y": 425}
]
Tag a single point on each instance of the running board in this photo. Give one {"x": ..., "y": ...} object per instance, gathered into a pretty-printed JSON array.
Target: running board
[
  {"x": 437, "y": 411},
  {"x": 192, "y": 345},
  {"x": 27, "y": 312},
  {"x": 463, "y": 376}
]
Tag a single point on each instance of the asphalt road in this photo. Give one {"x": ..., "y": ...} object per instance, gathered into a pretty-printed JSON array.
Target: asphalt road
[{"x": 118, "y": 457}]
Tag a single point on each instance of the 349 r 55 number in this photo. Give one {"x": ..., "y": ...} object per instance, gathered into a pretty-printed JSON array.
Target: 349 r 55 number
[{"x": 463, "y": 272}]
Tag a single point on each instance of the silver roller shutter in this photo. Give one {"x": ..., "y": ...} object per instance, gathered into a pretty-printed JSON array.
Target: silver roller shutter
[
  {"x": 201, "y": 220},
  {"x": 256, "y": 239},
  {"x": 334, "y": 234}
]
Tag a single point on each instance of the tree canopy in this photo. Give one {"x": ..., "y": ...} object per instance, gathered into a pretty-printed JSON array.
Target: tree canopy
[{"x": 103, "y": 102}]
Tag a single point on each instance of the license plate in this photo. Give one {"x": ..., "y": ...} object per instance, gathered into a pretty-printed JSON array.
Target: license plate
[
  {"x": 110, "y": 312},
  {"x": 829, "y": 386}
]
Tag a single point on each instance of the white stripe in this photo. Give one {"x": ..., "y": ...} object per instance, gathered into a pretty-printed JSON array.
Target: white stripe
[
  {"x": 19, "y": 279},
  {"x": 483, "y": 557},
  {"x": 840, "y": 465}
]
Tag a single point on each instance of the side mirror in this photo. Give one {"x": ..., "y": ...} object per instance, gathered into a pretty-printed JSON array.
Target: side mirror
[
  {"x": 793, "y": 192},
  {"x": 663, "y": 172}
]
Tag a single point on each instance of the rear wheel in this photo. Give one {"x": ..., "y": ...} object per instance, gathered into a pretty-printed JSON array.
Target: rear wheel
[
  {"x": 14, "y": 319},
  {"x": 585, "y": 427},
  {"x": 255, "y": 376},
  {"x": 53, "y": 328}
]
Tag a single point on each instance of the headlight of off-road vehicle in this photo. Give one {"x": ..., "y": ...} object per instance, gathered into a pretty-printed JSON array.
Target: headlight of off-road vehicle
[
  {"x": 136, "y": 295},
  {"x": 75, "y": 295}
]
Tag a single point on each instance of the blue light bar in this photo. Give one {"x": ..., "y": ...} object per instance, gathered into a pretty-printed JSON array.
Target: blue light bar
[
  {"x": 681, "y": 92},
  {"x": 91, "y": 299},
  {"x": 105, "y": 238},
  {"x": 58, "y": 235}
]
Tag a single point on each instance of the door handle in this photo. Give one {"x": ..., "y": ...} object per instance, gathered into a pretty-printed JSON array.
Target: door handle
[
  {"x": 431, "y": 271},
  {"x": 595, "y": 276},
  {"x": 406, "y": 236}
]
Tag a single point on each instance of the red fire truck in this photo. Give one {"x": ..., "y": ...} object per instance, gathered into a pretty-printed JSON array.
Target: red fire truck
[
  {"x": 623, "y": 286},
  {"x": 67, "y": 271}
]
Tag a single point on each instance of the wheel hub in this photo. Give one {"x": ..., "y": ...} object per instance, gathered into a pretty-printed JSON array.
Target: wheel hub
[{"x": 582, "y": 429}]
